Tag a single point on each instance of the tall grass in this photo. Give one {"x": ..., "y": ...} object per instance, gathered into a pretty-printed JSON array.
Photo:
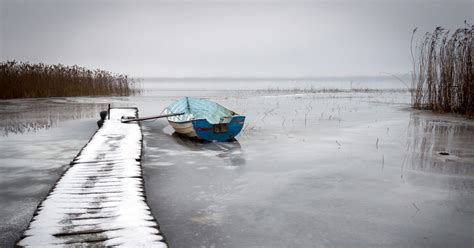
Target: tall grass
[
  {"x": 443, "y": 71},
  {"x": 25, "y": 80}
]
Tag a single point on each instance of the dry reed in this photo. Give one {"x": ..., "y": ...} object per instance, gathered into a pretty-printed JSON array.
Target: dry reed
[
  {"x": 25, "y": 80},
  {"x": 442, "y": 75}
]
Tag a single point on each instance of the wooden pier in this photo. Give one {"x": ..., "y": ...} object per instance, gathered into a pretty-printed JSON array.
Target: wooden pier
[{"x": 100, "y": 200}]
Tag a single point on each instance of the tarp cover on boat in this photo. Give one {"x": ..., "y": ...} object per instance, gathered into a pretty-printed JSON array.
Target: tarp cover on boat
[{"x": 196, "y": 108}]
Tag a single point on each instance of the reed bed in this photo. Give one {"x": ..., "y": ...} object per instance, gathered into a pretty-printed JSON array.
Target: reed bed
[
  {"x": 442, "y": 75},
  {"x": 25, "y": 80}
]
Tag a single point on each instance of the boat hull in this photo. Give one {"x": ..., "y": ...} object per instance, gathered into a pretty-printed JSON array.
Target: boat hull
[
  {"x": 202, "y": 129},
  {"x": 185, "y": 128}
]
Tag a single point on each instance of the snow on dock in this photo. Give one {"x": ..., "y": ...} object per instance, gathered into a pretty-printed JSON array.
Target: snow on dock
[{"x": 100, "y": 199}]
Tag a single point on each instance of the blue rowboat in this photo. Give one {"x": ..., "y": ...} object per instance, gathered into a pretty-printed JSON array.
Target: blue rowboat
[{"x": 204, "y": 119}]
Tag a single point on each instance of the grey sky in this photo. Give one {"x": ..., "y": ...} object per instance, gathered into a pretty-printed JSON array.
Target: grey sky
[{"x": 224, "y": 38}]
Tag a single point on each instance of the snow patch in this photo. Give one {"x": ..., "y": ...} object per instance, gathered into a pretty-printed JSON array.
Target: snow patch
[{"x": 100, "y": 199}]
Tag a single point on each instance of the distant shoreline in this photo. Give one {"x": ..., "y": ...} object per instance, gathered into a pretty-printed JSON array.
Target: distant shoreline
[{"x": 328, "y": 78}]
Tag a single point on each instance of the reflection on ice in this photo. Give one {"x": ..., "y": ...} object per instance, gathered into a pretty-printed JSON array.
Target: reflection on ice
[
  {"x": 229, "y": 151},
  {"x": 164, "y": 147},
  {"x": 31, "y": 163},
  {"x": 31, "y": 115},
  {"x": 438, "y": 144}
]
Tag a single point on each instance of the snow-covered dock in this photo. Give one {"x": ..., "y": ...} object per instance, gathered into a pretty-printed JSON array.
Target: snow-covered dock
[{"x": 100, "y": 200}]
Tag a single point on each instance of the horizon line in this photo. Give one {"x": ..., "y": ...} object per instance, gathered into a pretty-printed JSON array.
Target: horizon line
[{"x": 358, "y": 77}]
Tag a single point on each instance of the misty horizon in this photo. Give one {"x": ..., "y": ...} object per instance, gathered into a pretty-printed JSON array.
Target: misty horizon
[
  {"x": 225, "y": 39},
  {"x": 282, "y": 78}
]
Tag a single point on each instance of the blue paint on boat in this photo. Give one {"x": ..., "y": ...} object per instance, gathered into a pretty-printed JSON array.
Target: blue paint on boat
[
  {"x": 210, "y": 120},
  {"x": 207, "y": 131}
]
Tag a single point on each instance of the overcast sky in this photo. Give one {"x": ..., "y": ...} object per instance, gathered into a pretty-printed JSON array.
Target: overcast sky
[{"x": 224, "y": 38}]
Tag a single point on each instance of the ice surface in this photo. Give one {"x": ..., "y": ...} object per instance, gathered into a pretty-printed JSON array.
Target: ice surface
[
  {"x": 322, "y": 169},
  {"x": 342, "y": 169}
]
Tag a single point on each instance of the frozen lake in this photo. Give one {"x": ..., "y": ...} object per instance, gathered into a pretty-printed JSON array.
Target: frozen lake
[{"x": 310, "y": 169}]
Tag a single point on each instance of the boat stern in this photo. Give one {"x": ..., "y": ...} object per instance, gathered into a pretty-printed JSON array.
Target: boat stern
[{"x": 220, "y": 131}]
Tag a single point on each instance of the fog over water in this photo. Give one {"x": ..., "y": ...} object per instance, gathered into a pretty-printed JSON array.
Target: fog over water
[{"x": 224, "y": 38}]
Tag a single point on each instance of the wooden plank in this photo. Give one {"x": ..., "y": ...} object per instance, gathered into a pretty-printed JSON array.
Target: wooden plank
[{"x": 100, "y": 200}]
